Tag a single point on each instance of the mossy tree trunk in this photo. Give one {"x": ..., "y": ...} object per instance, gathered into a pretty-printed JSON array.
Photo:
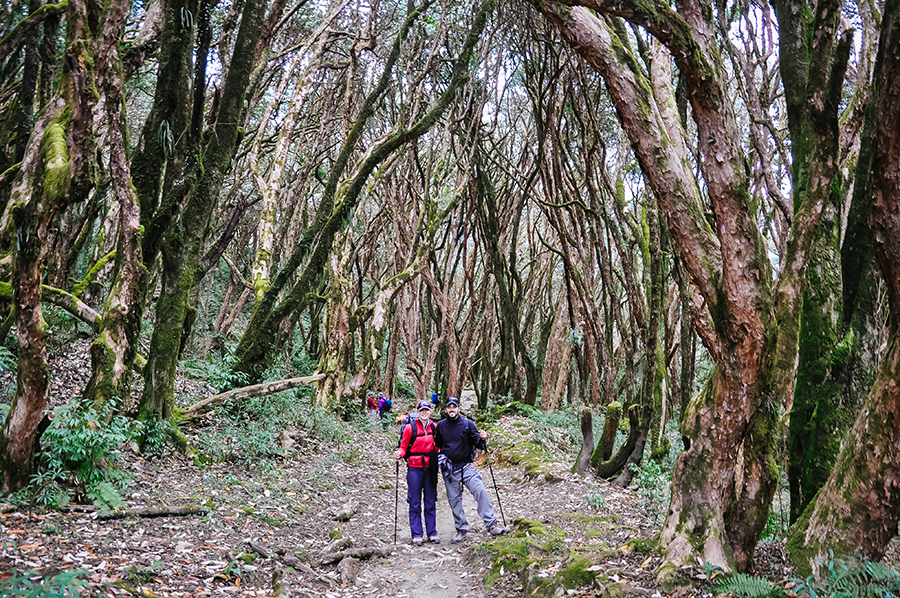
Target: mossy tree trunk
[
  {"x": 166, "y": 140},
  {"x": 604, "y": 448},
  {"x": 858, "y": 508},
  {"x": 183, "y": 241},
  {"x": 723, "y": 484},
  {"x": 17, "y": 438},
  {"x": 57, "y": 170},
  {"x": 338, "y": 343},
  {"x": 114, "y": 350},
  {"x": 829, "y": 344}
]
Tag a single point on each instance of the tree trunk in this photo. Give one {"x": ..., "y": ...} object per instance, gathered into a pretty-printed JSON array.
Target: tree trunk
[
  {"x": 858, "y": 508},
  {"x": 587, "y": 443},
  {"x": 19, "y": 432},
  {"x": 182, "y": 245},
  {"x": 57, "y": 170},
  {"x": 114, "y": 350},
  {"x": 818, "y": 417},
  {"x": 611, "y": 420},
  {"x": 338, "y": 343}
]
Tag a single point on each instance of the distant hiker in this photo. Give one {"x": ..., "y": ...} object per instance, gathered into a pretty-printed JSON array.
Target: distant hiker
[
  {"x": 418, "y": 448},
  {"x": 372, "y": 406},
  {"x": 384, "y": 407},
  {"x": 436, "y": 401},
  {"x": 457, "y": 438}
]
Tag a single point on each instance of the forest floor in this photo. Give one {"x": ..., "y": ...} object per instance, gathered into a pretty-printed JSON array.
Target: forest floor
[{"x": 321, "y": 522}]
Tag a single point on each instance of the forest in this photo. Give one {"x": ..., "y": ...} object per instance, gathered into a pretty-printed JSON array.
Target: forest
[{"x": 682, "y": 214}]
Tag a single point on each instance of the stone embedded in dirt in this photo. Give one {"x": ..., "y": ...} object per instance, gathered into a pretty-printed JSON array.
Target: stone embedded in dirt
[
  {"x": 349, "y": 570},
  {"x": 347, "y": 511}
]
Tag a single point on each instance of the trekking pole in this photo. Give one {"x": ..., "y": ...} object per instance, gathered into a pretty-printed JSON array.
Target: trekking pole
[
  {"x": 491, "y": 469},
  {"x": 396, "y": 495}
]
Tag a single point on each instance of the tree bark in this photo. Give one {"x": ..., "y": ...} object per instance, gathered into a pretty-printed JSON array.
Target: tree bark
[
  {"x": 114, "y": 350},
  {"x": 201, "y": 408},
  {"x": 56, "y": 171},
  {"x": 183, "y": 244},
  {"x": 858, "y": 508},
  {"x": 587, "y": 443}
]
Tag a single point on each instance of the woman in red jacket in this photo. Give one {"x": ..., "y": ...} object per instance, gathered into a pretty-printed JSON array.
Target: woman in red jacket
[{"x": 418, "y": 448}]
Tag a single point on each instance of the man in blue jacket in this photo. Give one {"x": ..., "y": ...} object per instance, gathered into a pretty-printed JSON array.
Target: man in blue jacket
[{"x": 457, "y": 438}]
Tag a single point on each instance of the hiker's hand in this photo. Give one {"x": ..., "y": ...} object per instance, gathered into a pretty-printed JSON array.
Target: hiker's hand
[
  {"x": 398, "y": 455},
  {"x": 483, "y": 434}
]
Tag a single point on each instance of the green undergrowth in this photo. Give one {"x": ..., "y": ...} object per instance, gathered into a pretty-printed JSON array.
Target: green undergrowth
[
  {"x": 246, "y": 431},
  {"x": 545, "y": 564},
  {"x": 837, "y": 577},
  {"x": 78, "y": 459},
  {"x": 32, "y": 583}
]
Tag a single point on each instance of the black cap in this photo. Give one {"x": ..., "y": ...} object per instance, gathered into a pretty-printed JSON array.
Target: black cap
[{"x": 453, "y": 401}]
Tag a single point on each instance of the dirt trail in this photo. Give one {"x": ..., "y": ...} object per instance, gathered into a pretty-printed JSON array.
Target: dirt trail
[{"x": 433, "y": 570}]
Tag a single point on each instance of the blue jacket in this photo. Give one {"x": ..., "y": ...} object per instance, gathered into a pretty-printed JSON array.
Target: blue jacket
[{"x": 458, "y": 438}]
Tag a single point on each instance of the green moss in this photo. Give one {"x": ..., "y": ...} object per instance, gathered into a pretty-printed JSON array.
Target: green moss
[
  {"x": 57, "y": 168},
  {"x": 800, "y": 554},
  {"x": 670, "y": 576},
  {"x": 642, "y": 546},
  {"x": 587, "y": 519},
  {"x": 576, "y": 573},
  {"x": 659, "y": 453},
  {"x": 611, "y": 421}
]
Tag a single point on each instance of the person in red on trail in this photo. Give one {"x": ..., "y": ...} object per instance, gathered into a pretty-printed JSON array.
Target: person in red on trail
[
  {"x": 418, "y": 448},
  {"x": 372, "y": 406}
]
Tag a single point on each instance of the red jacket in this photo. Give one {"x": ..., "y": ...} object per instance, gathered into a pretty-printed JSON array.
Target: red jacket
[
  {"x": 417, "y": 455},
  {"x": 372, "y": 403}
]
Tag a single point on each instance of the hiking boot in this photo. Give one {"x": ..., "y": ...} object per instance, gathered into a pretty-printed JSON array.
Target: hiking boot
[
  {"x": 496, "y": 530},
  {"x": 417, "y": 541},
  {"x": 459, "y": 537},
  {"x": 434, "y": 540}
]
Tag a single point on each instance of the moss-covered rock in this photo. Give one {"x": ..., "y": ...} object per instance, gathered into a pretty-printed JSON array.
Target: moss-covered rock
[
  {"x": 533, "y": 458},
  {"x": 640, "y": 546},
  {"x": 538, "y": 554},
  {"x": 579, "y": 570}
]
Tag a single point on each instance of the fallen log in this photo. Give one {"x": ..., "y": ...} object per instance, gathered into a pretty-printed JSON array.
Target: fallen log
[
  {"x": 148, "y": 512},
  {"x": 201, "y": 408}
]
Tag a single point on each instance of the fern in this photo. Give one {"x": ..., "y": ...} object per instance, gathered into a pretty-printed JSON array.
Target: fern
[
  {"x": 741, "y": 584},
  {"x": 851, "y": 578},
  {"x": 105, "y": 496},
  {"x": 8, "y": 360},
  {"x": 31, "y": 583}
]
